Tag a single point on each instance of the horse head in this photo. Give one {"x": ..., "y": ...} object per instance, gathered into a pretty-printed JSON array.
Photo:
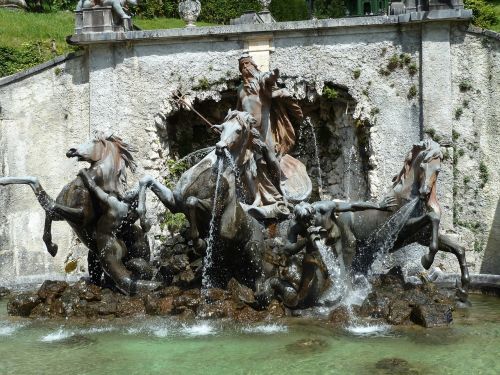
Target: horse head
[
  {"x": 235, "y": 134},
  {"x": 419, "y": 174},
  {"x": 108, "y": 157}
]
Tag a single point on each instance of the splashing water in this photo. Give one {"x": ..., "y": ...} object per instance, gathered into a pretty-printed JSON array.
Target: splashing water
[
  {"x": 351, "y": 157},
  {"x": 316, "y": 156},
  {"x": 383, "y": 239},
  {"x": 206, "y": 283},
  {"x": 240, "y": 189},
  {"x": 336, "y": 273}
]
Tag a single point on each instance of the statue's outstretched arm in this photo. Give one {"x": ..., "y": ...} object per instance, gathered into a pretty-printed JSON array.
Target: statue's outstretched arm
[
  {"x": 93, "y": 187},
  {"x": 384, "y": 205}
]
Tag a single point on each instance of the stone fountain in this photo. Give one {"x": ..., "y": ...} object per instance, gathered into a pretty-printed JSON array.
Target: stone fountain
[{"x": 253, "y": 237}]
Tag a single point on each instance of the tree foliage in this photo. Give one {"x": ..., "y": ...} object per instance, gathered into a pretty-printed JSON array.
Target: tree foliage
[
  {"x": 329, "y": 8},
  {"x": 483, "y": 14},
  {"x": 289, "y": 10}
]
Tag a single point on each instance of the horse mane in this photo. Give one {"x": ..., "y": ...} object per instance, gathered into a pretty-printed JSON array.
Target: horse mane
[
  {"x": 244, "y": 118},
  {"x": 432, "y": 151},
  {"x": 125, "y": 160}
]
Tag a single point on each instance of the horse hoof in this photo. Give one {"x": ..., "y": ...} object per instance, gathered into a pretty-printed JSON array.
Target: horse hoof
[
  {"x": 52, "y": 249},
  {"x": 427, "y": 261}
]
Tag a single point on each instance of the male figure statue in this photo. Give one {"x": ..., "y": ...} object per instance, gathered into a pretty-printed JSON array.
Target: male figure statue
[{"x": 271, "y": 107}]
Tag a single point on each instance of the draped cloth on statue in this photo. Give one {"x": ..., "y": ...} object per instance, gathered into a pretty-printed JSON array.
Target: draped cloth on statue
[{"x": 284, "y": 107}]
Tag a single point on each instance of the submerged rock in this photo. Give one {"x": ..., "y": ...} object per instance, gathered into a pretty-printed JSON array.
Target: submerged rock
[
  {"x": 397, "y": 366},
  {"x": 304, "y": 346}
]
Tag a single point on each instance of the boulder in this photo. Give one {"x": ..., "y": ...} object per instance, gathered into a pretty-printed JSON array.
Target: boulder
[
  {"x": 432, "y": 315},
  {"x": 50, "y": 290},
  {"x": 240, "y": 293},
  {"x": 23, "y": 303}
]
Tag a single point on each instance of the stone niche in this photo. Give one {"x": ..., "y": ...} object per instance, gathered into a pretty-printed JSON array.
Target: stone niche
[{"x": 329, "y": 137}]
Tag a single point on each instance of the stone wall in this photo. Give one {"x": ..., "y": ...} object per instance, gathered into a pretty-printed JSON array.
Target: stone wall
[
  {"x": 401, "y": 81},
  {"x": 42, "y": 114}
]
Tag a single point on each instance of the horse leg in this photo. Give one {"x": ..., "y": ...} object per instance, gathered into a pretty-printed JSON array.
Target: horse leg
[
  {"x": 193, "y": 204},
  {"x": 74, "y": 215},
  {"x": 111, "y": 256},
  {"x": 47, "y": 235},
  {"x": 428, "y": 259},
  {"x": 163, "y": 193},
  {"x": 450, "y": 246}
]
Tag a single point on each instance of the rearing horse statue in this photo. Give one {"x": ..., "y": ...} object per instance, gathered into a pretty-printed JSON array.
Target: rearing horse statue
[
  {"x": 416, "y": 180},
  {"x": 109, "y": 157},
  {"x": 239, "y": 235}
]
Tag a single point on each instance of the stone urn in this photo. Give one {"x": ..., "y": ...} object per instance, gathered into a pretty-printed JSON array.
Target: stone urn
[
  {"x": 189, "y": 11},
  {"x": 265, "y": 4}
]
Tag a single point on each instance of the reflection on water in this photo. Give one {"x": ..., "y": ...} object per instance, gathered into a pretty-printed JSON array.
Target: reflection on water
[{"x": 155, "y": 345}]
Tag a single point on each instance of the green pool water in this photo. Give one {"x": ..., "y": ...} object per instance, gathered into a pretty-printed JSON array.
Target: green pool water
[{"x": 471, "y": 345}]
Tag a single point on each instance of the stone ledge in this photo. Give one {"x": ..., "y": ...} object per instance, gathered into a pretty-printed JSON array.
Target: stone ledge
[
  {"x": 489, "y": 33},
  {"x": 38, "y": 68},
  {"x": 240, "y": 31}
]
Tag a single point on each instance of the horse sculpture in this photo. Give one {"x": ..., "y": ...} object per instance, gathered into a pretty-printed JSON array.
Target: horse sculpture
[
  {"x": 416, "y": 181},
  {"x": 108, "y": 157},
  {"x": 239, "y": 236}
]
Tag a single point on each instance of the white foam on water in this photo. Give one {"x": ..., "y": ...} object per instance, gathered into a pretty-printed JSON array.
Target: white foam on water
[
  {"x": 266, "y": 329},
  {"x": 58, "y": 335},
  {"x": 95, "y": 330},
  {"x": 368, "y": 330},
  {"x": 161, "y": 332},
  {"x": 200, "y": 329},
  {"x": 7, "y": 329}
]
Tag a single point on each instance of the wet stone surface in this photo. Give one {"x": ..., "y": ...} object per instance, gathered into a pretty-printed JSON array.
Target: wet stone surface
[
  {"x": 399, "y": 303},
  {"x": 391, "y": 301}
]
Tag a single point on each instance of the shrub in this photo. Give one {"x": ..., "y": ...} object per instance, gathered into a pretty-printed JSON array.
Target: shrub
[
  {"x": 13, "y": 60},
  {"x": 329, "y": 8},
  {"x": 483, "y": 14},
  {"x": 289, "y": 10},
  {"x": 412, "y": 92},
  {"x": 221, "y": 11}
]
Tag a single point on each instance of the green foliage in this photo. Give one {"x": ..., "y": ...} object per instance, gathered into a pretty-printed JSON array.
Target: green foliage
[
  {"x": 484, "y": 15},
  {"x": 458, "y": 113},
  {"x": 176, "y": 168},
  {"x": 221, "y": 11},
  {"x": 289, "y": 10},
  {"x": 173, "y": 222},
  {"x": 483, "y": 174},
  {"x": 330, "y": 93},
  {"x": 412, "y": 92},
  {"x": 393, "y": 63},
  {"x": 455, "y": 135},
  {"x": 412, "y": 69},
  {"x": 13, "y": 60},
  {"x": 329, "y": 8},
  {"x": 356, "y": 73},
  {"x": 203, "y": 84},
  {"x": 464, "y": 86}
]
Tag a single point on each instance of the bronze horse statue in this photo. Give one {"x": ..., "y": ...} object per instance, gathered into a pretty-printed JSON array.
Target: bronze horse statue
[
  {"x": 109, "y": 157},
  {"x": 239, "y": 236},
  {"x": 417, "y": 180}
]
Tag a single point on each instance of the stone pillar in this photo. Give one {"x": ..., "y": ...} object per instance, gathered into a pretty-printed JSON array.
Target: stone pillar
[
  {"x": 437, "y": 111},
  {"x": 260, "y": 49}
]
